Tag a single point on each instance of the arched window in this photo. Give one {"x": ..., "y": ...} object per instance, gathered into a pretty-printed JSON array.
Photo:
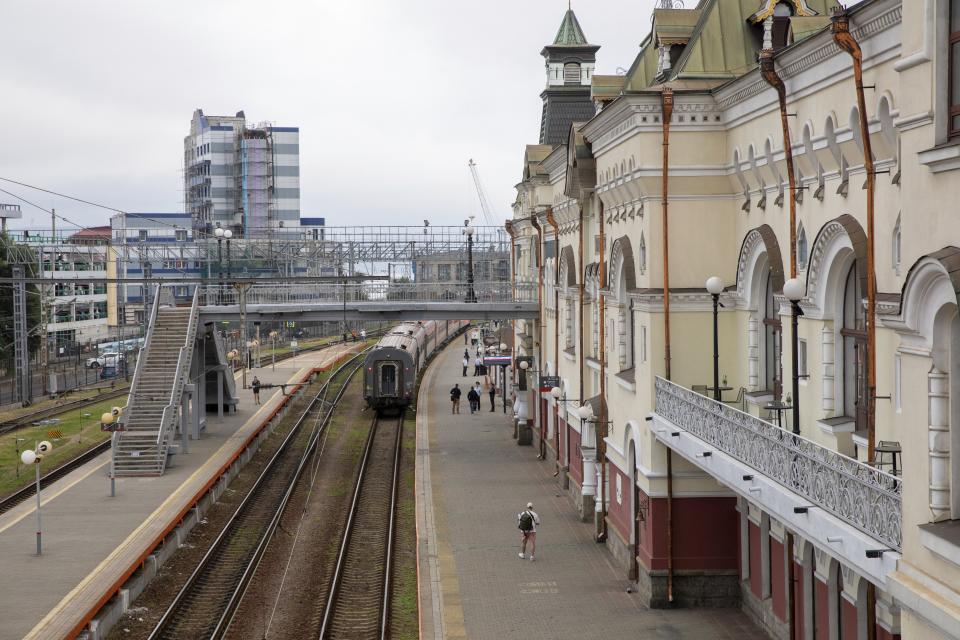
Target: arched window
[
  {"x": 571, "y": 73},
  {"x": 895, "y": 248},
  {"x": 771, "y": 339},
  {"x": 802, "y": 251},
  {"x": 854, "y": 336}
]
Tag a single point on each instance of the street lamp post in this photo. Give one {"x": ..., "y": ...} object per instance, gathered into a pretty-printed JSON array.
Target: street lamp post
[
  {"x": 34, "y": 457},
  {"x": 503, "y": 378},
  {"x": 108, "y": 422},
  {"x": 273, "y": 350},
  {"x": 227, "y": 234},
  {"x": 218, "y": 234},
  {"x": 794, "y": 290},
  {"x": 715, "y": 288},
  {"x": 471, "y": 295}
]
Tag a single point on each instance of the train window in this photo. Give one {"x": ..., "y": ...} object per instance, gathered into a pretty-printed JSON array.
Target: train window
[{"x": 388, "y": 379}]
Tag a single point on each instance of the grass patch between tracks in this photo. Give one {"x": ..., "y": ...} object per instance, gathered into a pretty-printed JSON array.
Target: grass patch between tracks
[{"x": 71, "y": 434}]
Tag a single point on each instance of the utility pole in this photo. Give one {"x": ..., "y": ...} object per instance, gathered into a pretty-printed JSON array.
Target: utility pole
[
  {"x": 44, "y": 342},
  {"x": 21, "y": 354}
]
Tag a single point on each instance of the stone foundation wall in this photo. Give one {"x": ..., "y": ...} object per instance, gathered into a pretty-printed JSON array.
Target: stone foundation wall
[
  {"x": 703, "y": 589},
  {"x": 761, "y": 613}
]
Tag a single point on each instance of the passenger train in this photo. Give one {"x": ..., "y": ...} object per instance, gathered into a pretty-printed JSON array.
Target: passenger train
[{"x": 391, "y": 367}]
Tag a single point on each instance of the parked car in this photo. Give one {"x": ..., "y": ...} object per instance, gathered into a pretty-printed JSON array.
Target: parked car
[
  {"x": 108, "y": 372},
  {"x": 110, "y": 358}
]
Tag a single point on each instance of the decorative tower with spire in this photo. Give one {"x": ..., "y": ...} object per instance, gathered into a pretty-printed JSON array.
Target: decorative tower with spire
[{"x": 570, "y": 61}]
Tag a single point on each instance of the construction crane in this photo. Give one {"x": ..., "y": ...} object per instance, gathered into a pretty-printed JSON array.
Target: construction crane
[{"x": 488, "y": 214}]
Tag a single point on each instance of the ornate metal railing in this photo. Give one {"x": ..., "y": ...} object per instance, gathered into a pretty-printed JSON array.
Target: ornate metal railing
[{"x": 858, "y": 494}]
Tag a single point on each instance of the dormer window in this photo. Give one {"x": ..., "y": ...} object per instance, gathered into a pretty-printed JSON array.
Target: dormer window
[{"x": 571, "y": 73}]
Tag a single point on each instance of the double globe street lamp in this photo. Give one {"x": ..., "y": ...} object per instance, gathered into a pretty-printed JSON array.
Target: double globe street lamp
[
  {"x": 34, "y": 457},
  {"x": 794, "y": 289},
  {"x": 470, "y": 230},
  {"x": 714, "y": 287},
  {"x": 222, "y": 234}
]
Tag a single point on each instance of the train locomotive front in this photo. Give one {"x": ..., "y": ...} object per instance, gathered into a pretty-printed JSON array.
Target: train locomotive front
[{"x": 390, "y": 369}]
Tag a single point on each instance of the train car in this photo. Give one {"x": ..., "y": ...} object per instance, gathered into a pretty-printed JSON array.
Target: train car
[{"x": 392, "y": 366}]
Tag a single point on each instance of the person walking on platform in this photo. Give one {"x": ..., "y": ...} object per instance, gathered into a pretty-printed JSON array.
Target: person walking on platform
[
  {"x": 477, "y": 363},
  {"x": 466, "y": 363},
  {"x": 493, "y": 392},
  {"x": 455, "y": 394},
  {"x": 255, "y": 385},
  {"x": 527, "y": 521},
  {"x": 479, "y": 391},
  {"x": 472, "y": 398}
]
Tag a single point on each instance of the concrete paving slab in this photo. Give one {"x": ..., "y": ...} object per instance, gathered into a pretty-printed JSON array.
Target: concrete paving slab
[{"x": 472, "y": 481}]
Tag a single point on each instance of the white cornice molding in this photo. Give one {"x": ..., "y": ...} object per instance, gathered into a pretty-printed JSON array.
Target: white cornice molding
[
  {"x": 814, "y": 52},
  {"x": 684, "y": 302}
]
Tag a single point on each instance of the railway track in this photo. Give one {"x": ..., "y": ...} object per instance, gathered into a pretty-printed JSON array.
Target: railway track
[
  {"x": 357, "y": 604},
  {"x": 60, "y": 408},
  {"x": 28, "y": 491},
  {"x": 205, "y": 605}
]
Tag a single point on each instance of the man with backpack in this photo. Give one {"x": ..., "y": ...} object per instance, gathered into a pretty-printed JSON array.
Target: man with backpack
[
  {"x": 455, "y": 394},
  {"x": 527, "y": 521}
]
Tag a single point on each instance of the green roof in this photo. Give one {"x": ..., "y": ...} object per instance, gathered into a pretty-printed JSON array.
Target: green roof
[{"x": 570, "y": 33}]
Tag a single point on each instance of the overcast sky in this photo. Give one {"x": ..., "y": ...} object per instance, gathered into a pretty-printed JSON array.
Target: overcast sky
[{"x": 392, "y": 98}]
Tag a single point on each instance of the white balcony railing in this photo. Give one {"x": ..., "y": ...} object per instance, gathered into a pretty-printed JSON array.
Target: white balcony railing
[{"x": 858, "y": 494}]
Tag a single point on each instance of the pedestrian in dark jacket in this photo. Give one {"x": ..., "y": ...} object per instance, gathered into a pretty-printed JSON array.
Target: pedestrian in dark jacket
[
  {"x": 493, "y": 393},
  {"x": 474, "y": 399},
  {"x": 255, "y": 385},
  {"x": 455, "y": 398}
]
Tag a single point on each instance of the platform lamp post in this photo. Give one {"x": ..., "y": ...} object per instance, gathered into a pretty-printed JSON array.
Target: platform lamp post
[
  {"x": 503, "y": 377},
  {"x": 471, "y": 295},
  {"x": 714, "y": 287},
  {"x": 34, "y": 457},
  {"x": 218, "y": 234},
  {"x": 108, "y": 422},
  {"x": 273, "y": 350},
  {"x": 227, "y": 234},
  {"x": 794, "y": 290}
]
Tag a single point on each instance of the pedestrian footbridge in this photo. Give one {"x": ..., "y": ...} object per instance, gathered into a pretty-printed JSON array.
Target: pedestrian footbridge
[{"x": 368, "y": 300}]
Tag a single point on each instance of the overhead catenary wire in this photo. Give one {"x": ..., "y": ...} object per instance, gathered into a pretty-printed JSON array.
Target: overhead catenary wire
[{"x": 81, "y": 227}]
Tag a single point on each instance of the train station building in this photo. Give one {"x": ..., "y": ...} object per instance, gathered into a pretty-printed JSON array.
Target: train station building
[{"x": 811, "y": 476}]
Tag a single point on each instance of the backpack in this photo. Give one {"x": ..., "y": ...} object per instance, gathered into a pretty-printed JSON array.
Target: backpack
[{"x": 526, "y": 521}]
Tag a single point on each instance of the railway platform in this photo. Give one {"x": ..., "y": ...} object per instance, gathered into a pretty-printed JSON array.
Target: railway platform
[
  {"x": 91, "y": 540},
  {"x": 472, "y": 480}
]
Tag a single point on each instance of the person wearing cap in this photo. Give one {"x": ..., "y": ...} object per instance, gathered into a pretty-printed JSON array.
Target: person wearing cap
[{"x": 527, "y": 521}]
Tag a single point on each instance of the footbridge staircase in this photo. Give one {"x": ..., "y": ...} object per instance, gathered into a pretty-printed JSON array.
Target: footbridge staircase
[{"x": 152, "y": 416}]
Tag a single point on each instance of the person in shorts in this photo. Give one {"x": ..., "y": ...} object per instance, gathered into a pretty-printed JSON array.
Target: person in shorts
[
  {"x": 255, "y": 385},
  {"x": 527, "y": 521}
]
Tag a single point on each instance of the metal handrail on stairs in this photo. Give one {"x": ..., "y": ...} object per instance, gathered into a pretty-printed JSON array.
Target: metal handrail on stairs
[
  {"x": 169, "y": 411},
  {"x": 141, "y": 363}
]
